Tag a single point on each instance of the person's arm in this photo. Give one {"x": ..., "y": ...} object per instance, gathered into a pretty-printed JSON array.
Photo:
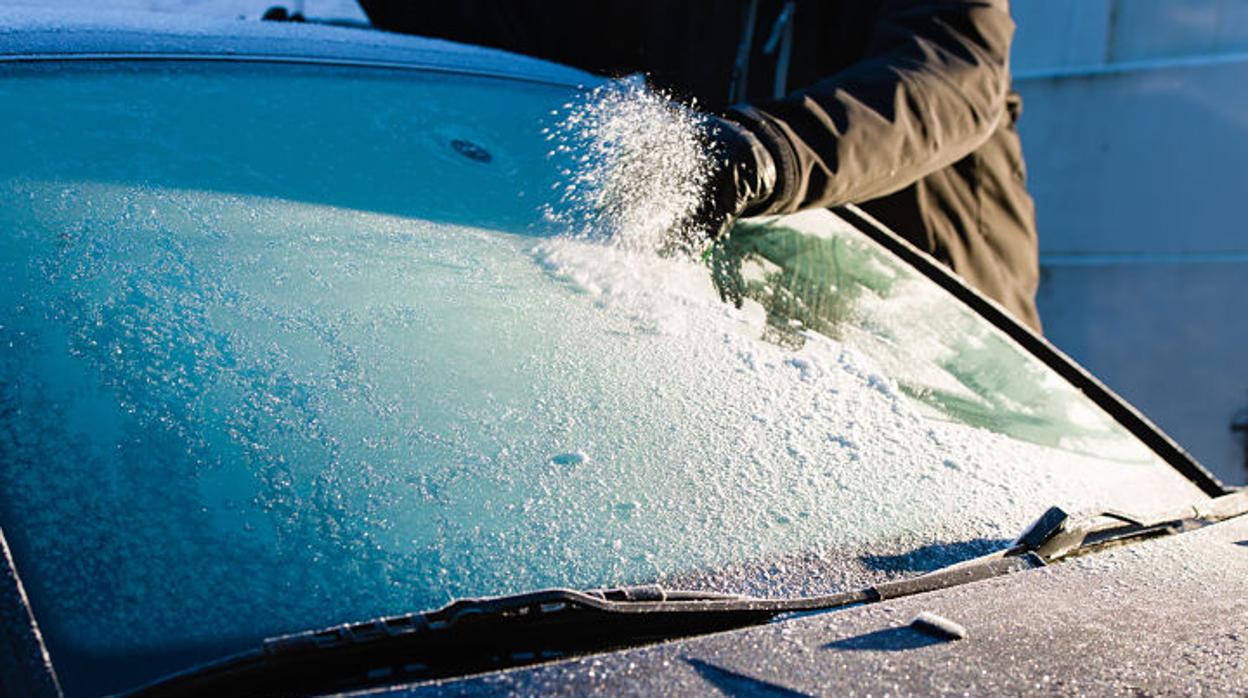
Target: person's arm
[{"x": 931, "y": 89}]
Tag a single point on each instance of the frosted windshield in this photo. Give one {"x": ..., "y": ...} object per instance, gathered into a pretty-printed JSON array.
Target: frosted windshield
[{"x": 288, "y": 347}]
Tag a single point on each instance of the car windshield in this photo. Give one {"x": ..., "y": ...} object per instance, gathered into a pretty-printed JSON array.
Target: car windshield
[{"x": 289, "y": 346}]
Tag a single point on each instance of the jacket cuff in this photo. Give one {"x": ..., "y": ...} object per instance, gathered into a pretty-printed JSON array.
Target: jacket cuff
[{"x": 783, "y": 197}]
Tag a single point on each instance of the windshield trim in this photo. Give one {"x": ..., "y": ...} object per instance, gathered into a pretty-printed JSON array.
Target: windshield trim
[
  {"x": 36, "y": 35},
  {"x": 1033, "y": 343},
  {"x": 262, "y": 58},
  {"x": 27, "y": 670}
]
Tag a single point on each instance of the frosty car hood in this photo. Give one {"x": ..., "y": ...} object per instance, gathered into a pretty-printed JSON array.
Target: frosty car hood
[{"x": 1165, "y": 616}]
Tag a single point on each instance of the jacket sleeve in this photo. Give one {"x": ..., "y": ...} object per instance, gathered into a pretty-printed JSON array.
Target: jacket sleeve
[{"x": 930, "y": 89}]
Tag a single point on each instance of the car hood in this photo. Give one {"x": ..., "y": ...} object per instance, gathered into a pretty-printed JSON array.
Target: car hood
[{"x": 1164, "y": 616}]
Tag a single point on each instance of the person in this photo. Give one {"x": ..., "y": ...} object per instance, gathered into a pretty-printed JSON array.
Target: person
[{"x": 903, "y": 107}]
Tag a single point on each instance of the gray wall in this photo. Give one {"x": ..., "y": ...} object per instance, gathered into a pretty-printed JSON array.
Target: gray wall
[
  {"x": 1135, "y": 127},
  {"x": 1081, "y": 33}
]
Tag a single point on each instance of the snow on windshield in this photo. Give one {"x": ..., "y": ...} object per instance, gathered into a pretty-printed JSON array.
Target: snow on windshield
[{"x": 272, "y": 404}]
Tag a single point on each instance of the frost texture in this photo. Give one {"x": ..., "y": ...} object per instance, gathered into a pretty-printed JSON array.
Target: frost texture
[
  {"x": 296, "y": 416},
  {"x": 633, "y": 166}
]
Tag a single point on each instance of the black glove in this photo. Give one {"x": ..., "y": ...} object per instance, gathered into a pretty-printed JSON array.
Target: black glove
[{"x": 741, "y": 182}]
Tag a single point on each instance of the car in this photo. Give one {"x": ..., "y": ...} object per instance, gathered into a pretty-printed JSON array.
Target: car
[{"x": 306, "y": 390}]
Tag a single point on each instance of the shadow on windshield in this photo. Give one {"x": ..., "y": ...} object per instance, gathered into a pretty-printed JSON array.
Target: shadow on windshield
[
  {"x": 934, "y": 556},
  {"x": 466, "y": 151}
]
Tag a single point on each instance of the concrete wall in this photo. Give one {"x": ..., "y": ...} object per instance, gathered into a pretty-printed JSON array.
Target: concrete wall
[
  {"x": 1080, "y": 33},
  {"x": 1135, "y": 128}
]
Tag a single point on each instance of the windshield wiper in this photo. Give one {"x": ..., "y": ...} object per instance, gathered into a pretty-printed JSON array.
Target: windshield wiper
[{"x": 476, "y": 635}]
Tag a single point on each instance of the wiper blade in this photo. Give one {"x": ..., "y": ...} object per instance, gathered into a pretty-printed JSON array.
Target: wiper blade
[{"x": 476, "y": 635}]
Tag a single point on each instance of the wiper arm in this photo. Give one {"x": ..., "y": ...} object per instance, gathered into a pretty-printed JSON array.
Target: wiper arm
[
  {"x": 475, "y": 635},
  {"x": 1057, "y": 535}
]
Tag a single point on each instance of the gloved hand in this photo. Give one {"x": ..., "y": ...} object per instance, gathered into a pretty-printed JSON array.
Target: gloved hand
[{"x": 741, "y": 182}]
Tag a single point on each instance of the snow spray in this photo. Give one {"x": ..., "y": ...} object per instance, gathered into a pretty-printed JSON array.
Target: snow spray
[{"x": 633, "y": 166}]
